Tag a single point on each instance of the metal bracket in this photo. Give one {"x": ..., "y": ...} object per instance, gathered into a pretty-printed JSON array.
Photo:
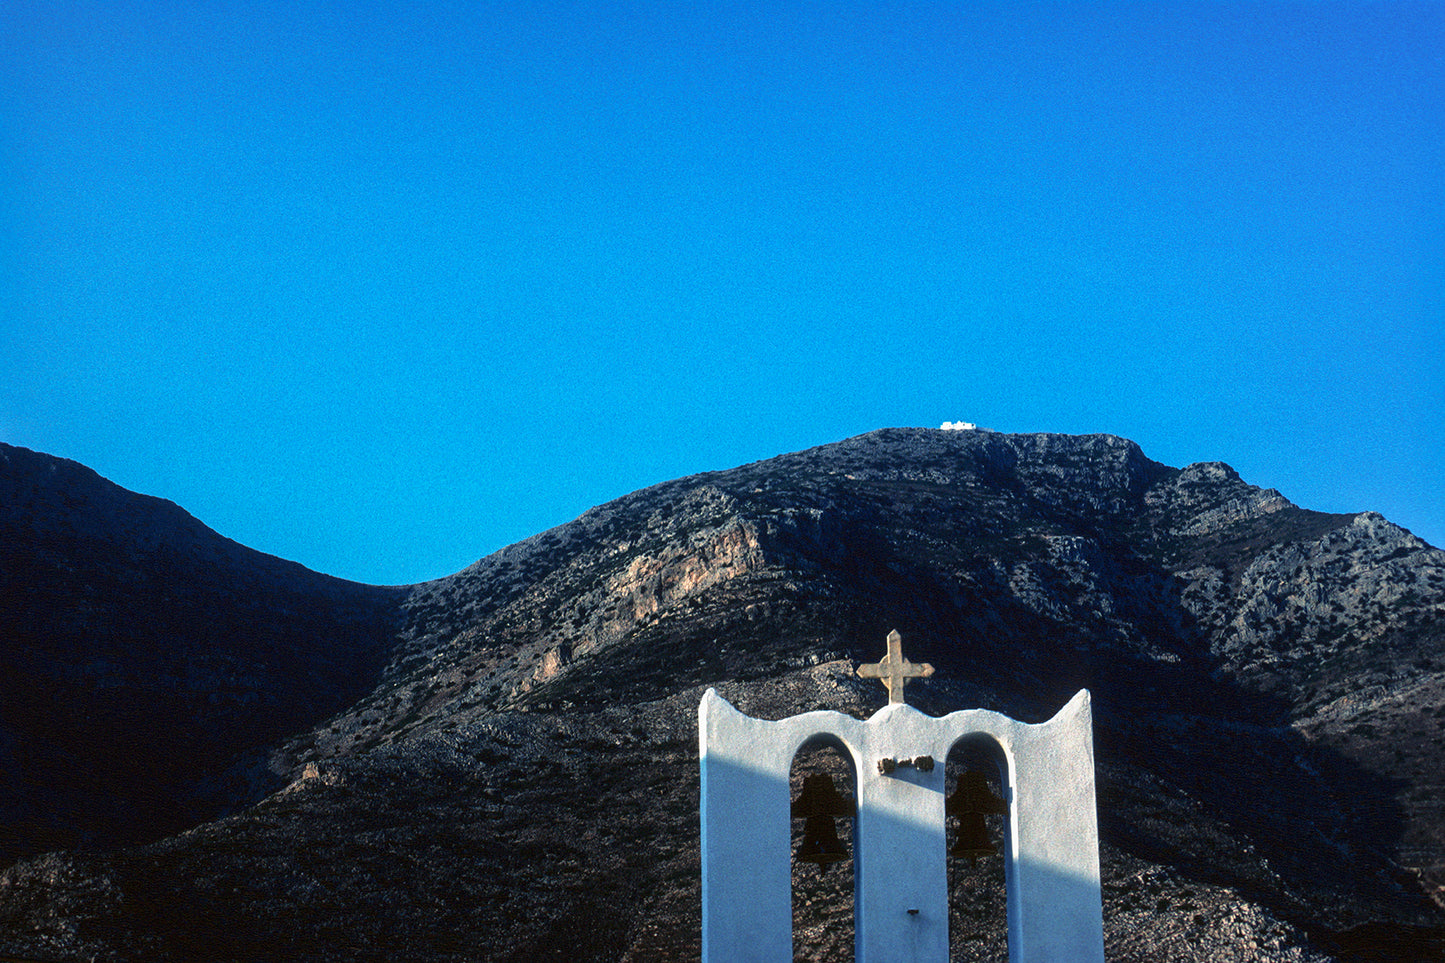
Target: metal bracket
[{"x": 921, "y": 763}]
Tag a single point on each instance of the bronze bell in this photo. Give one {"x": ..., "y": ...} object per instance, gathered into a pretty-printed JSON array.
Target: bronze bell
[
  {"x": 970, "y": 802},
  {"x": 819, "y": 803},
  {"x": 821, "y": 844},
  {"x": 972, "y": 840}
]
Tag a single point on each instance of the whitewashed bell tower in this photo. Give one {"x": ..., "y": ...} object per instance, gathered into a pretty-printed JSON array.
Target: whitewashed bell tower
[{"x": 1051, "y": 847}]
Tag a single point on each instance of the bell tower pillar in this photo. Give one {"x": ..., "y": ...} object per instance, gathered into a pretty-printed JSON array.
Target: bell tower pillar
[{"x": 1051, "y": 847}]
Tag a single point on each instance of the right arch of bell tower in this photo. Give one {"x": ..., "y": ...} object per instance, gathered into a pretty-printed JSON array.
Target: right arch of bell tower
[{"x": 1051, "y": 849}]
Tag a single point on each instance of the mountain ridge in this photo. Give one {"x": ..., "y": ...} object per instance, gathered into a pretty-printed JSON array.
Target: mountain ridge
[
  {"x": 142, "y": 652},
  {"x": 1262, "y": 675}
]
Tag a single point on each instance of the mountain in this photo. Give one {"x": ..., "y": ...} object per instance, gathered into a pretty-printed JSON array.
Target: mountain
[
  {"x": 245, "y": 760},
  {"x": 141, "y": 654}
]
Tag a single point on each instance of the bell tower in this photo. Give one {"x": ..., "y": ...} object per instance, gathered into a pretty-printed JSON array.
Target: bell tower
[{"x": 1050, "y": 845}]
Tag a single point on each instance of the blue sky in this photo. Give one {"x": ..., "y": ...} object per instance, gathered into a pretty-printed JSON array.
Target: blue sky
[{"x": 384, "y": 287}]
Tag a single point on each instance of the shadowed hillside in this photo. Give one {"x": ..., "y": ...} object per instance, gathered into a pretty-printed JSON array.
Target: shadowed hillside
[{"x": 142, "y": 656}]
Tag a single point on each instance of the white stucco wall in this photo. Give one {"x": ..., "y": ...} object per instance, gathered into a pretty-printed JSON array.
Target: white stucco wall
[{"x": 1051, "y": 853}]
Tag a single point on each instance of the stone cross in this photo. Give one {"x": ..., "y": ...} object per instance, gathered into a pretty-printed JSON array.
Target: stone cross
[{"x": 894, "y": 669}]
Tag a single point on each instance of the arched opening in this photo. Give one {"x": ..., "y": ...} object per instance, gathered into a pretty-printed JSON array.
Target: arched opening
[
  {"x": 976, "y": 783},
  {"x": 824, "y": 789}
]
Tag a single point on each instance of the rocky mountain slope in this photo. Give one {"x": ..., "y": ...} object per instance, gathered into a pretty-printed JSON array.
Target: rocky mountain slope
[{"x": 501, "y": 765}]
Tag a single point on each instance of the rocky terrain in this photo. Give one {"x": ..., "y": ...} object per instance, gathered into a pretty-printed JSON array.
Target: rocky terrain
[{"x": 217, "y": 755}]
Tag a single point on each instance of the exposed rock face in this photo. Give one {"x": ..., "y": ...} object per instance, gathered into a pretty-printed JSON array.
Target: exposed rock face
[{"x": 502, "y": 764}]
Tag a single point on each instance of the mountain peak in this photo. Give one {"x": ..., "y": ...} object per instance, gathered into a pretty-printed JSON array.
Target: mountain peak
[{"x": 1261, "y": 674}]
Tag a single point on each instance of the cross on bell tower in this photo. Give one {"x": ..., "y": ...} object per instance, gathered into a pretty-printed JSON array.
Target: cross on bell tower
[{"x": 894, "y": 670}]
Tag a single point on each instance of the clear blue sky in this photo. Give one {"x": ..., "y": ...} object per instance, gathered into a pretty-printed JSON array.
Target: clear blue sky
[{"x": 383, "y": 287}]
